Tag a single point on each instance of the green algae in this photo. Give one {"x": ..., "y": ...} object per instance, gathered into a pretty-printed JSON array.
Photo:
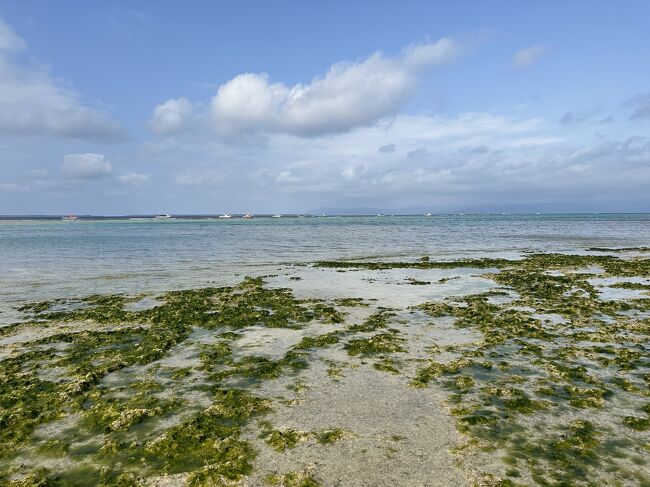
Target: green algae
[
  {"x": 281, "y": 440},
  {"x": 381, "y": 343},
  {"x": 320, "y": 341},
  {"x": 350, "y": 302},
  {"x": 387, "y": 364},
  {"x": 422, "y": 264},
  {"x": 329, "y": 436},
  {"x": 288, "y": 438},
  {"x": 639, "y": 424},
  {"x": 416, "y": 282},
  {"x": 210, "y": 440},
  {"x": 334, "y": 370},
  {"x": 572, "y": 364},
  {"x": 374, "y": 322},
  {"x": 292, "y": 479},
  {"x": 106, "y": 414},
  {"x": 261, "y": 368},
  {"x": 532, "y": 262},
  {"x": 181, "y": 373},
  {"x": 208, "y": 445},
  {"x": 524, "y": 370},
  {"x": 619, "y": 249},
  {"x": 630, "y": 285}
]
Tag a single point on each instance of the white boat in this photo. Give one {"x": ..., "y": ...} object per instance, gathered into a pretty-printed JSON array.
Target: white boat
[
  {"x": 276, "y": 216},
  {"x": 226, "y": 215},
  {"x": 163, "y": 217},
  {"x": 380, "y": 214},
  {"x": 247, "y": 215},
  {"x": 427, "y": 214},
  {"x": 69, "y": 218}
]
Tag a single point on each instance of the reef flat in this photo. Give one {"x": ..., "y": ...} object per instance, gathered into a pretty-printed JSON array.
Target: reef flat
[{"x": 481, "y": 371}]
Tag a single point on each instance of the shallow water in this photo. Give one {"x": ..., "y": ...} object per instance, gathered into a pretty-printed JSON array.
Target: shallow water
[
  {"x": 41, "y": 259},
  {"x": 499, "y": 359}
]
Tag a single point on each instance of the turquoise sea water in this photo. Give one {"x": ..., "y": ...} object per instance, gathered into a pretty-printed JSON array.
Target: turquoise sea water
[{"x": 43, "y": 259}]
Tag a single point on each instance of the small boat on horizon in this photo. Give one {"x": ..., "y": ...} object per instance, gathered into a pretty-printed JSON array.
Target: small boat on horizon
[
  {"x": 277, "y": 215},
  {"x": 247, "y": 215},
  {"x": 225, "y": 215},
  {"x": 427, "y": 214},
  {"x": 69, "y": 218},
  {"x": 163, "y": 217}
]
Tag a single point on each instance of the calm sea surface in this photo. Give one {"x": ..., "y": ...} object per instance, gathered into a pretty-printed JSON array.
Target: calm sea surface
[{"x": 44, "y": 259}]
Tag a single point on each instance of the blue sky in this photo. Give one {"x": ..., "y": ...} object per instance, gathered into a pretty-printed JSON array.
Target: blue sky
[{"x": 210, "y": 107}]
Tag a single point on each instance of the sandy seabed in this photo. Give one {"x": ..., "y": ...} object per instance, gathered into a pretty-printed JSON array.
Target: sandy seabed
[{"x": 526, "y": 372}]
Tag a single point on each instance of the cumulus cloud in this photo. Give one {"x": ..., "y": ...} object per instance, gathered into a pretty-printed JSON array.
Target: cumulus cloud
[
  {"x": 640, "y": 104},
  {"x": 171, "y": 116},
  {"x": 526, "y": 57},
  {"x": 349, "y": 95},
  {"x": 85, "y": 166},
  {"x": 387, "y": 148},
  {"x": 134, "y": 178},
  {"x": 33, "y": 103}
]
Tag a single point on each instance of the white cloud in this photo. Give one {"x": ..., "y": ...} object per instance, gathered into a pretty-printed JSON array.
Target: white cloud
[
  {"x": 349, "y": 95},
  {"x": 134, "y": 178},
  {"x": 9, "y": 40},
  {"x": 33, "y": 103},
  {"x": 526, "y": 57},
  {"x": 171, "y": 116},
  {"x": 85, "y": 166}
]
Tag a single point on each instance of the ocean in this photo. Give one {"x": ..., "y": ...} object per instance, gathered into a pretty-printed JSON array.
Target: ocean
[{"x": 53, "y": 259}]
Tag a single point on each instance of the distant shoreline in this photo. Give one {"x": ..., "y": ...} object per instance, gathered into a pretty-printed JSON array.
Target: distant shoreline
[{"x": 237, "y": 216}]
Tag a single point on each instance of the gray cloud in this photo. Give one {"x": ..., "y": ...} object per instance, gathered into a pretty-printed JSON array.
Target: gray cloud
[
  {"x": 477, "y": 149},
  {"x": 387, "y": 149},
  {"x": 640, "y": 105},
  {"x": 418, "y": 154},
  {"x": 573, "y": 117}
]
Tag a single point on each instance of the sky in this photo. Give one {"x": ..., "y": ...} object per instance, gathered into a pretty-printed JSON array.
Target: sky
[{"x": 209, "y": 107}]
